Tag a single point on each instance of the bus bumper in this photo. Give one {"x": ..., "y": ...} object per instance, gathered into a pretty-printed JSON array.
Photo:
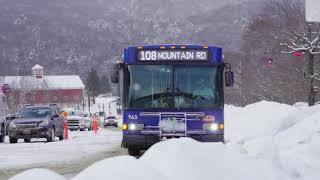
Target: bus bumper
[{"x": 143, "y": 142}]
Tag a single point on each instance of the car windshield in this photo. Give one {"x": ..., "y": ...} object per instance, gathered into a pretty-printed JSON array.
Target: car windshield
[
  {"x": 34, "y": 113},
  {"x": 111, "y": 117},
  {"x": 74, "y": 113},
  {"x": 167, "y": 86}
]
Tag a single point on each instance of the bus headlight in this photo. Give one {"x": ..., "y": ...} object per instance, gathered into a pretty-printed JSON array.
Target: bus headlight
[
  {"x": 135, "y": 127},
  {"x": 210, "y": 126}
]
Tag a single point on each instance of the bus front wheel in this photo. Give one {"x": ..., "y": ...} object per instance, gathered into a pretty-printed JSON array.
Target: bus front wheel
[{"x": 134, "y": 152}]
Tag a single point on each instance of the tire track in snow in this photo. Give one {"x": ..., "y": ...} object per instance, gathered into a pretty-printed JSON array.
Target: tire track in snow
[{"x": 69, "y": 168}]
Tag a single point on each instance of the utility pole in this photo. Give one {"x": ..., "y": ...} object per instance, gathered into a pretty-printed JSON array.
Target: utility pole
[
  {"x": 89, "y": 102},
  {"x": 311, "y": 96}
]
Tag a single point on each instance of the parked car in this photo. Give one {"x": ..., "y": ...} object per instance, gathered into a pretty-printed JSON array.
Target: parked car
[
  {"x": 36, "y": 122},
  {"x": 110, "y": 121},
  {"x": 3, "y": 113},
  {"x": 2, "y": 128},
  {"x": 77, "y": 120}
]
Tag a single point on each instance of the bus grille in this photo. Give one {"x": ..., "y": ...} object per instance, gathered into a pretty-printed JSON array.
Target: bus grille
[{"x": 27, "y": 125}]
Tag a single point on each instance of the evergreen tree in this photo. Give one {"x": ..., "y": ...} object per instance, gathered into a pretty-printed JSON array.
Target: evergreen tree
[
  {"x": 93, "y": 83},
  {"x": 105, "y": 84}
]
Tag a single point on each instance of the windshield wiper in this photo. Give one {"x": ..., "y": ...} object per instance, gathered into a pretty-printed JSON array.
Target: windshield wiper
[
  {"x": 155, "y": 96},
  {"x": 187, "y": 95}
]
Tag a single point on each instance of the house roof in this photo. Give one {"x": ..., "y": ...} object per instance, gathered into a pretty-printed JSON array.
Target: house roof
[
  {"x": 45, "y": 83},
  {"x": 37, "y": 66}
]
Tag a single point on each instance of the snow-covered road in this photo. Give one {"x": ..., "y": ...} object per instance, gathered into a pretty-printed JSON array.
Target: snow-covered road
[{"x": 66, "y": 157}]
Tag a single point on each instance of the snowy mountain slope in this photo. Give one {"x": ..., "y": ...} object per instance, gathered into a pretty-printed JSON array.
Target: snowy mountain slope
[{"x": 79, "y": 34}]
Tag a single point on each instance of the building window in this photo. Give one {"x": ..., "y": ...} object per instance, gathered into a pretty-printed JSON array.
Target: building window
[
  {"x": 33, "y": 98},
  {"x": 46, "y": 98}
]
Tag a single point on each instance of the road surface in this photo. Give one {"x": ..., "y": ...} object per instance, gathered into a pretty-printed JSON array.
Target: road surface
[{"x": 67, "y": 157}]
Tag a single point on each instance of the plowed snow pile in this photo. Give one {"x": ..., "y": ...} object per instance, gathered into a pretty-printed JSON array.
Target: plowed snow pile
[{"x": 265, "y": 141}]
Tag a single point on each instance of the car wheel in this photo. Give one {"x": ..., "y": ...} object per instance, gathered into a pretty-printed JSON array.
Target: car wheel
[
  {"x": 3, "y": 134},
  {"x": 116, "y": 125},
  {"x": 61, "y": 137},
  {"x": 51, "y": 135},
  {"x": 134, "y": 152},
  {"x": 82, "y": 129},
  {"x": 13, "y": 140},
  {"x": 27, "y": 140},
  {"x": 89, "y": 128}
]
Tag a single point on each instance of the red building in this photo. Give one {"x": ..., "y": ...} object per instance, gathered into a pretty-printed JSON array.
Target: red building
[{"x": 67, "y": 91}]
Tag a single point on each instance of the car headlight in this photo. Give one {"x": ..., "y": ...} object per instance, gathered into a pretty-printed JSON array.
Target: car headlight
[
  {"x": 210, "y": 126},
  {"x": 44, "y": 123},
  {"x": 135, "y": 127},
  {"x": 12, "y": 125}
]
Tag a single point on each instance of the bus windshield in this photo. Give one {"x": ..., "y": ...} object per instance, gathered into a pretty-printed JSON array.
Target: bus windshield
[
  {"x": 168, "y": 86},
  {"x": 150, "y": 86}
]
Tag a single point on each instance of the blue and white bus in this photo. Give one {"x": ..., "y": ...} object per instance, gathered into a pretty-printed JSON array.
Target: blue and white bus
[{"x": 171, "y": 91}]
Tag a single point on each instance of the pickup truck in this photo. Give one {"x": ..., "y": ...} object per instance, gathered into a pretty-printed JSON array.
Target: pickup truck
[{"x": 78, "y": 120}]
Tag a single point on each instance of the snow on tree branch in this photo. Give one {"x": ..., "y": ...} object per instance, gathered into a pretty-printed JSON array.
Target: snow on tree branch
[{"x": 302, "y": 42}]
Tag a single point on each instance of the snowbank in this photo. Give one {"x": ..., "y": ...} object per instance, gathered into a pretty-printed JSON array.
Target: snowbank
[
  {"x": 183, "y": 159},
  {"x": 37, "y": 174},
  {"x": 261, "y": 119},
  {"x": 188, "y": 159},
  {"x": 266, "y": 140},
  {"x": 286, "y": 137},
  {"x": 120, "y": 168}
]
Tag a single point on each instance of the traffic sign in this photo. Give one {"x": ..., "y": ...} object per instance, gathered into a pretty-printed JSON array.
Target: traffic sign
[
  {"x": 298, "y": 53},
  {"x": 312, "y": 10}
]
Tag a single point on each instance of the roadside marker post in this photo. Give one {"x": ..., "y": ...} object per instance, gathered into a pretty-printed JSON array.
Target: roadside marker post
[
  {"x": 65, "y": 125},
  {"x": 95, "y": 125}
]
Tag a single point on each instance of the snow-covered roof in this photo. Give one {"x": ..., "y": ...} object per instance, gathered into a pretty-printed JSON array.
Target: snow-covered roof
[
  {"x": 37, "y": 66},
  {"x": 47, "y": 82}
]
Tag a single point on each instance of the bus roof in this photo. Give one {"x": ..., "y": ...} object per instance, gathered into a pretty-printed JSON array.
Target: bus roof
[{"x": 164, "y": 54}]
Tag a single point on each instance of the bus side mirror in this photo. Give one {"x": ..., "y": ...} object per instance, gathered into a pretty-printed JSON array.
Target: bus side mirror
[
  {"x": 115, "y": 74},
  {"x": 10, "y": 117},
  {"x": 229, "y": 78}
]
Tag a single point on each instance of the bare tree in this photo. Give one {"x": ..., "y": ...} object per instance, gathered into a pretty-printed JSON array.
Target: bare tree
[
  {"x": 300, "y": 38},
  {"x": 281, "y": 81}
]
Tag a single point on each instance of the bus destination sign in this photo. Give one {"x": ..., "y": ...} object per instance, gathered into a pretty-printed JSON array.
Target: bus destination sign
[{"x": 173, "y": 55}]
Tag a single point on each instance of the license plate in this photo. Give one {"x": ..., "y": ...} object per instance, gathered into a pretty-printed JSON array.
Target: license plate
[
  {"x": 172, "y": 125},
  {"x": 26, "y": 131}
]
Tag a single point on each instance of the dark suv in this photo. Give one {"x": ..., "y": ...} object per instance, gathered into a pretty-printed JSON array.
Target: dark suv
[
  {"x": 3, "y": 112},
  {"x": 36, "y": 122}
]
